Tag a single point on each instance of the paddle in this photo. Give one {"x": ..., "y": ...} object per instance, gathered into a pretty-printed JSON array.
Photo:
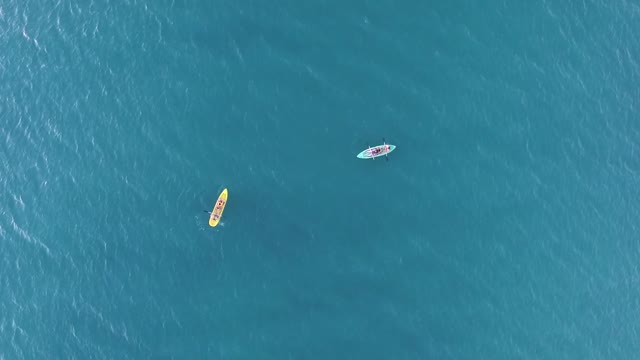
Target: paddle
[
  {"x": 208, "y": 212},
  {"x": 386, "y": 153}
]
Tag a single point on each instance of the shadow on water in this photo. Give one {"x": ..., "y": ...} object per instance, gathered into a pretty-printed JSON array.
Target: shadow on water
[
  {"x": 280, "y": 237},
  {"x": 256, "y": 227}
]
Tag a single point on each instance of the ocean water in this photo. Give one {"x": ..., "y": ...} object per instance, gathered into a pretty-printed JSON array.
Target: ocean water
[{"x": 504, "y": 226}]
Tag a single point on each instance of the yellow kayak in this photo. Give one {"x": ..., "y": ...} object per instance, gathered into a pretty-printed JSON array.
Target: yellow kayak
[{"x": 216, "y": 214}]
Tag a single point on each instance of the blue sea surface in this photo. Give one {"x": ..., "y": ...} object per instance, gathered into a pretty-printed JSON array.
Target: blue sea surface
[{"x": 504, "y": 225}]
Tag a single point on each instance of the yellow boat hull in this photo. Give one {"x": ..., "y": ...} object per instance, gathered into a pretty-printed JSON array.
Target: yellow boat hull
[{"x": 218, "y": 208}]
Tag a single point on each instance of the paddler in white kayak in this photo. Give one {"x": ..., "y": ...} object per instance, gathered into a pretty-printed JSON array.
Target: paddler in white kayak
[{"x": 378, "y": 150}]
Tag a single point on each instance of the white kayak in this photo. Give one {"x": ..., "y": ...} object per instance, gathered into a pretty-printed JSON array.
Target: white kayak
[{"x": 376, "y": 151}]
